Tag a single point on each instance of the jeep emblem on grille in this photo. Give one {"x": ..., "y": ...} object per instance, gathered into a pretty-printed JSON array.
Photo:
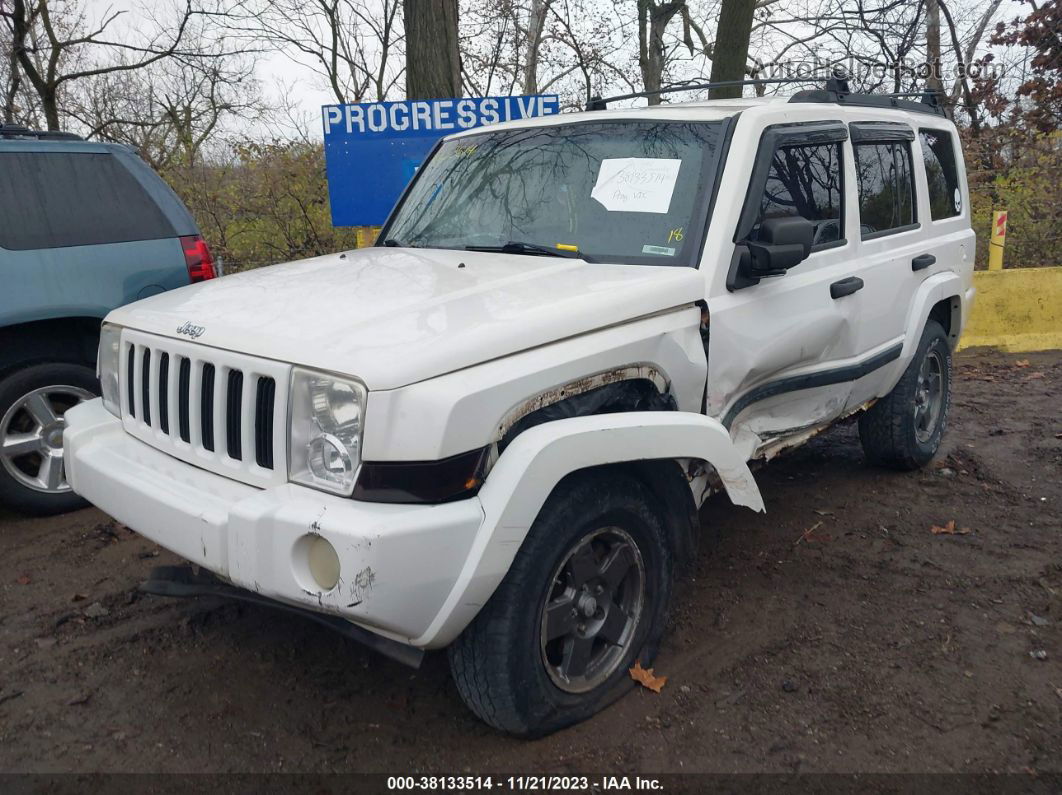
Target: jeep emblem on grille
[{"x": 191, "y": 331}]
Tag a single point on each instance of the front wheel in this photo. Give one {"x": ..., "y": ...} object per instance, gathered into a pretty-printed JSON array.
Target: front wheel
[
  {"x": 585, "y": 598},
  {"x": 33, "y": 403},
  {"x": 903, "y": 430}
]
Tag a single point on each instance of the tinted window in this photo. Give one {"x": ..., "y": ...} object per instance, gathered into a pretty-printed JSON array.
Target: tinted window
[
  {"x": 805, "y": 181},
  {"x": 626, "y": 192},
  {"x": 938, "y": 153},
  {"x": 886, "y": 190},
  {"x": 55, "y": 199}
]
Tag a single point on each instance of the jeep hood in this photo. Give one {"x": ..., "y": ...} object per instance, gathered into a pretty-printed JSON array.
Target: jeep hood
[{"x": 392, "y": 316}]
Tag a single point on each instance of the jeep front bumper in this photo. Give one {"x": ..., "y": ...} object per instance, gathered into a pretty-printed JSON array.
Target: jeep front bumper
[{"x": 397, "y": 563}]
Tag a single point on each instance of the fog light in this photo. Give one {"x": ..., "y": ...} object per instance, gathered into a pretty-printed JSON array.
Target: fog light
[{"x": 323, "y": 563}]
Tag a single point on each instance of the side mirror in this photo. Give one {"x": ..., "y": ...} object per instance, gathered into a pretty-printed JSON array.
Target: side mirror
[{"x": 784, "y": 243}]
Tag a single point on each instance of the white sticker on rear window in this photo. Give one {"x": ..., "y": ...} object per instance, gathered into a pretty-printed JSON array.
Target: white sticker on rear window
[{"x": 636, "y": 184}]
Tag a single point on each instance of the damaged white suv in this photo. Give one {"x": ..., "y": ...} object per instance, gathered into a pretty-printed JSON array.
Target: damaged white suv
[{"x": 493, "y": 431}]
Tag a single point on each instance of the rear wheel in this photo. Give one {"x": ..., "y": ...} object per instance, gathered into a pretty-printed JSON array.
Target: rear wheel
[
  {"x": 584, "y": 599},
  {"x": 903, "y": 430},
  {"x": 33, "y": 404}
]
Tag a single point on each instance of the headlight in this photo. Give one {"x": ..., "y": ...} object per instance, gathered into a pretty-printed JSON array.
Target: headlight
[
  {"x": 324, "y": 431},
  {"x": 107, "y": 366}
]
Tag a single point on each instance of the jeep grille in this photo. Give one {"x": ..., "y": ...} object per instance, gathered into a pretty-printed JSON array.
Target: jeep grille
[{"x": 216, "y": 409}]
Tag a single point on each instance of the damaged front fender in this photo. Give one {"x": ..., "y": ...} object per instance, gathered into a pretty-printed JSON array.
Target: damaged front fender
[{"x": 540, "y": 457}]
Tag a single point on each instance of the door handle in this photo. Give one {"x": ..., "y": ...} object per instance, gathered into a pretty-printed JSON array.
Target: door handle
[
  {"x": 922, "y": 261},
  {"x": 846, "y": 287}
]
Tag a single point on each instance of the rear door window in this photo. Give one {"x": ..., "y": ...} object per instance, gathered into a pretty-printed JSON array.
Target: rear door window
[
  {"x": 58, "y": 199},
  {"x": 805, "y": 181},
  {"x": 886, "y": 188},
  {"x": 942, "y": 177}
]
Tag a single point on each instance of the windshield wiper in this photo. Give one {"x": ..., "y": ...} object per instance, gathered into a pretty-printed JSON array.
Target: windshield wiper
[
  {"x": 392, "y": 243},
  {"x": 520, "y": 247}
]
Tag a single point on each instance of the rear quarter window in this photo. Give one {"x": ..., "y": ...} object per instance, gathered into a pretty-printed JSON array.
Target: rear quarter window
[
  {"x": 59, "y": 199},
  {"x": 942, "y": 177}
]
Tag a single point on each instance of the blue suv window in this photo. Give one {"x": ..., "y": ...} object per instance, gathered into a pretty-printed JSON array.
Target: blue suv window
[{"x": 58, "y": 199}]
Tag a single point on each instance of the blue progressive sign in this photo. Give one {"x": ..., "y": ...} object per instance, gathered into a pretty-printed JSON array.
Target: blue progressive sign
[{"x": 373, "y": 149}]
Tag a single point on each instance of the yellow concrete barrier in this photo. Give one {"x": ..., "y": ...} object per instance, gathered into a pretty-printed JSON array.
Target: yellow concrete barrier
[{"x": 1019, "y": 309}]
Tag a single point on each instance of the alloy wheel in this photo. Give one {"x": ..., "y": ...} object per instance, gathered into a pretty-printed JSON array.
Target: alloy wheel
[
  {"x": 31, "y": 437},
  {"x": 929, "y": 396},
  {"x": 592, "y": 610}
]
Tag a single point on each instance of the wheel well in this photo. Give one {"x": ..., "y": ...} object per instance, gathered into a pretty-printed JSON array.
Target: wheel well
[
  {"x": 68, "y": 339},
  {"x": 947, "y": 312},
  {"x": 583, "y": 399},
  {"x": 666, "y": 481}
]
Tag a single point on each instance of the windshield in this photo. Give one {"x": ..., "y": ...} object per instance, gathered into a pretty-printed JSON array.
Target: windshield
[{"x": 617, "y": 191}]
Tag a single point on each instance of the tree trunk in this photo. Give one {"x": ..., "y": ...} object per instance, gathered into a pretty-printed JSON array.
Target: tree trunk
[
  {"x": 12, "y": 87},
  {"x": 433, "y": 63},
  {"x": 653, "y": 19},
  {"x": 50, "y": 105},
  {"x": 933, "y": 81},
  {"x": 731, "y": 52},
  {"x": 536, "y": 23}
]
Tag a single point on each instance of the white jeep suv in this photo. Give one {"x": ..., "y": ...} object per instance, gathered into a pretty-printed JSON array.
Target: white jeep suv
[{"x": 493, "y": 431}]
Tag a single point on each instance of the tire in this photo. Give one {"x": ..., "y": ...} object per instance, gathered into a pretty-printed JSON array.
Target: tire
[
  {"x": 903, "y": 430},
  {"x": 32, "y": 403},
  {"x": 506, "y": 671}
]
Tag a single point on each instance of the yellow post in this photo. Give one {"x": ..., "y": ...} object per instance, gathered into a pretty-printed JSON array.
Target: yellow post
[
  {"x": 365, "y": 236},
  {"x": 997, "y": 240}
]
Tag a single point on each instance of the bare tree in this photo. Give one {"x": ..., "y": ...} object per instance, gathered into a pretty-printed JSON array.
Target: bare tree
[
  {"x": 653, "y": 21},
  {"x": 53, "y": 53},
  {"x": 964, "y": 54},
  {"x": 353, "y": 45},
  {"x": 570, "y": 47},
  {"x": 170, "y": 111}
]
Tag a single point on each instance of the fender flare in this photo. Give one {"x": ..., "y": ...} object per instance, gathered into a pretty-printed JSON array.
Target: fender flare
[
  {"x": 539, "y": 458},
  {"x": 937, "y": 287}
]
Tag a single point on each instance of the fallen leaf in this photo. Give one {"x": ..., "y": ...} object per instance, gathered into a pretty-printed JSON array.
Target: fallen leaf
[
  {"x": 1021, "y": 363},
  {"x": 646, "y": 678},
  {"x": 23, "y": 580},
  {"x": 1034, "y": 376},
  {"x": 809, "y": 536},
  {"x": 823, "y": 512},
  {"x": 949, "y": 529}
]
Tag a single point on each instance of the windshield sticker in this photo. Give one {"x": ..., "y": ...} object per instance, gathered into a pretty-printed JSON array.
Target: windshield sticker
[
  {"x": 636, "y": 184},
  {"x": 663, "y": 250}
]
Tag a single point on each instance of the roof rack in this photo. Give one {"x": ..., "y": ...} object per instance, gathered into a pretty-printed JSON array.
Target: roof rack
[
  {"x": 835, "y": 90},
  {"x": 838, "y": 92},
  {"x": 14, "y": 131},
  {"x": 601, "y": 103}
]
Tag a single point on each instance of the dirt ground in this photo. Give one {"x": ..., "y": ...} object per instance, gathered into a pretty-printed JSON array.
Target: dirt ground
[{"x": 836, "y": 633}]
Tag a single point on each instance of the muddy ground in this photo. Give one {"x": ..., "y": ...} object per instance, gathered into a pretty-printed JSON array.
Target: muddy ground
[{"x": 834, "y": 633}]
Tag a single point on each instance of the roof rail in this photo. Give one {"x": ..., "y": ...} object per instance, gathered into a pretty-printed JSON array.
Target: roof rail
[
  {"x": 14, "y": 131},
  {"x": 835, "y": 90},
  {"x": 601, "y": 103}
]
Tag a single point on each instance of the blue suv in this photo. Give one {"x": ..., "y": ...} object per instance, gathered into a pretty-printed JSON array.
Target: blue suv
[{"x": 84, "y": 227}]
